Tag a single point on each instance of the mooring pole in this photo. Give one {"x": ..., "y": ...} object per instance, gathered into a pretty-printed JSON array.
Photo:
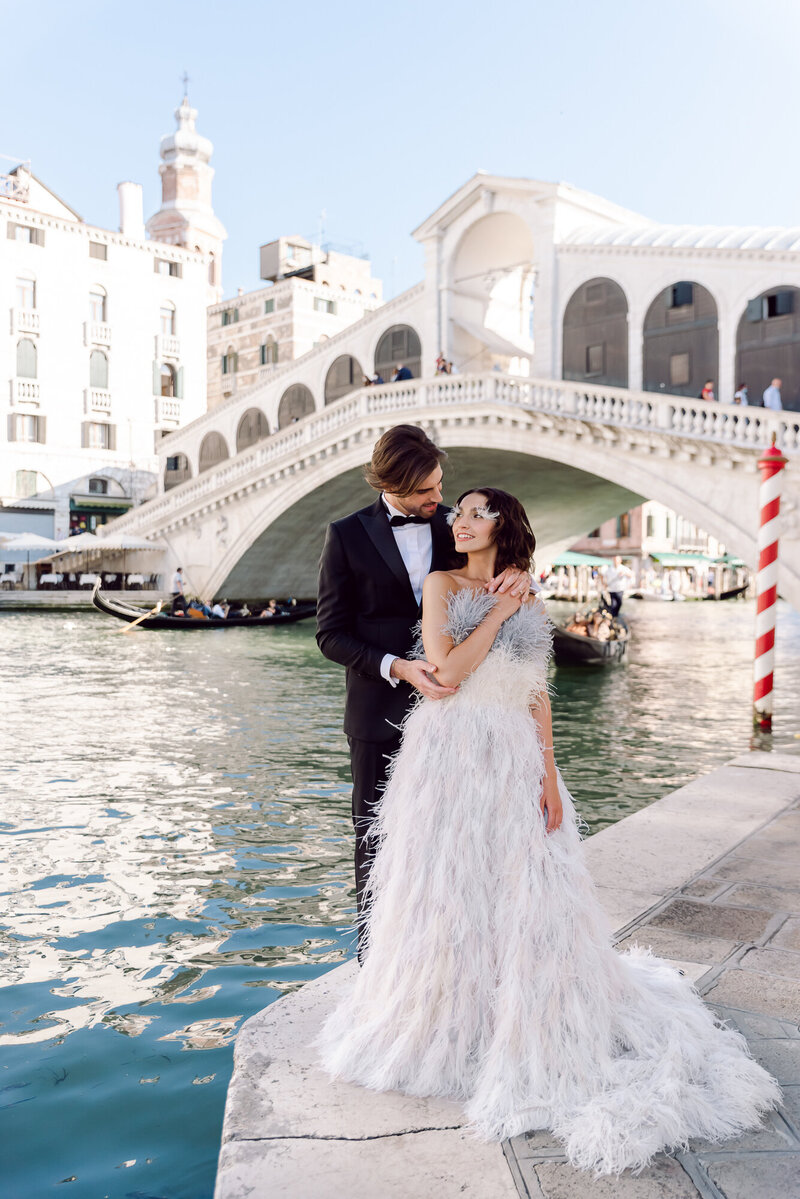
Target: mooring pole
[{"x": 770, "y": 464}]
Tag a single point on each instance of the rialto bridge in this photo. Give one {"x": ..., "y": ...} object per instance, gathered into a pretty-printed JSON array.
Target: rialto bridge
[
  {"x": 253, "y": 525},
  {"x": 582, "y": 334}
]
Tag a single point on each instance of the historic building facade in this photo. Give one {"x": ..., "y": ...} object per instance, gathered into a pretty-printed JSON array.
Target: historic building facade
[
  {"x": 314, "y": 292},
  {"x": 104, "y": 351}
]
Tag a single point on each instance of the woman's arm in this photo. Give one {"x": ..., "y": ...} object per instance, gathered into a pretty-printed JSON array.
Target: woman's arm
[
  {"x": 550, "y": 798},
  {"x": 455, "y": 662}
]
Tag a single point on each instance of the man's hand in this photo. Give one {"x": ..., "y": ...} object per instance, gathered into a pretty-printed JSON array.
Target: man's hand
[
  {"x": 416, "y": 673},
  {"x": 518, "y": 582}
]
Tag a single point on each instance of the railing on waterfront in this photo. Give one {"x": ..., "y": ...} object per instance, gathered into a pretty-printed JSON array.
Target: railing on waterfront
[{"x": 678, "y": 417}]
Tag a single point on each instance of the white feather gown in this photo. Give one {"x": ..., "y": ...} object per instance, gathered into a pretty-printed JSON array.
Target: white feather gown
[{"x": 490, "y": 975}]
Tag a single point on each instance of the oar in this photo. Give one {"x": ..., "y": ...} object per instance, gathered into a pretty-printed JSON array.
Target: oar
[{"x": 153, "y": 612}]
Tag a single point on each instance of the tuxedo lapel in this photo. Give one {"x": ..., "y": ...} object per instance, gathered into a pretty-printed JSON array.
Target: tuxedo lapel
[{"x": 376, "y": 524}]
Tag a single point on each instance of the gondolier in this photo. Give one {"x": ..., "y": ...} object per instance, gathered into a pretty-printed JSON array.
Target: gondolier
[{"x": 616, "y": 578}]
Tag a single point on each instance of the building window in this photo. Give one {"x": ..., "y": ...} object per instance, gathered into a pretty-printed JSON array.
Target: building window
[
  {"x": 681, "y": 295},
  {"x": 679, "y": 370},
  {"x": 230, "y": 362},
  {"x": 28, "y": 428},
  {"x": 269, "y": 352},
  {"x": 26, "y": 359},
  {"x": 97, "y": 306},
  {"x": 97, "y": 249},
  {"x": 26, "y": 484},
  {"x": 595, "y": 360},
  {"x": 26, "y": 293},
  {"x": 163, "y": 266},
  {"x": 651, "y": 525},
  {"x": 24, "y": 233},
  {"x": 167, "y": 319},
  {"x": 624, "y": 525},
  {"x": 328, "y": 306},
  {"x": 269, "y": 306},
  {"x": 230, "y": 316},
  {"x": 781, "y": 303},
  {"x": 595, "y": 533},
  {"x": 97, "y": 436},
  {"x": 167, "y": 381},
  {"x": 98, "y": 486},
  {"x": 667, "y": 526},
  {"x": 98, "y": 370}
]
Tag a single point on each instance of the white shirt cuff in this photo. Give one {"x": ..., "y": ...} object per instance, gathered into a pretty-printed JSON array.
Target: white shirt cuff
[{"x": 386, "y": 666}]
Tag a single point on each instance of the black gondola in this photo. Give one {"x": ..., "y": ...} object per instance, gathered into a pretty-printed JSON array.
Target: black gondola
[
  {"x": 574, "y": 649},
  {"x": 144, "y": 619}
]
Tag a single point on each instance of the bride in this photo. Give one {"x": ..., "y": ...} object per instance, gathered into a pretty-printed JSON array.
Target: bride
[{"x": 490, "y": 975}]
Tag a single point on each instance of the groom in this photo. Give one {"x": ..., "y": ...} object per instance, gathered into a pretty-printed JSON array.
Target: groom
[{"x": 371, "y": 572}]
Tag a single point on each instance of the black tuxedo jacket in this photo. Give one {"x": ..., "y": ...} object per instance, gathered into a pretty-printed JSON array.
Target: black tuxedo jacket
[{"x": 366, "y": 608}]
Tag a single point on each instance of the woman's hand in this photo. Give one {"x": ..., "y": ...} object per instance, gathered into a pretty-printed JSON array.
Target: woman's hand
[
  {"x": 506, "y": 604},
  {"x": 551, "y": 800},
  {"x": 512, "y": 579}
]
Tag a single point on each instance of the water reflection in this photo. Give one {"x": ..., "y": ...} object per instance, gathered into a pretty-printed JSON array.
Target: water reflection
[{"x": 177, "y": 855}]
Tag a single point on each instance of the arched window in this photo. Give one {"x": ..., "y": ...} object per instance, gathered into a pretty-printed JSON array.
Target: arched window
[
  {"x": 98, "y": 370},
  {"x": 768, "y": 345},
  {"x": 680, "y": 340},
  {"x": 177, "y": 471},
  {"x": 595, "y": 334},
  {"x": 230, "y": 361},
  {"x": 253, "y": 427},
  {"x": 166, "y": 317},
  {"x": 269, "y": 352},
  {"x": 212, "y": 271},
  {"x": 97, "y": 305},
  {"x": 167, "y": 380},
  {"x": 296, "y": 402},
  {"x": 344, "y": 375},
  {"x": 26, "y": 359},
  {"x": 398, "y": 346},
  {"x": 98, "y": 486},
  {"x": 213, "y": 449}
]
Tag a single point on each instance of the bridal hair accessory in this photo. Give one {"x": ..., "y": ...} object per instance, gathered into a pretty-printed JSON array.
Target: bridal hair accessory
[{"x": 483, "y": 512}]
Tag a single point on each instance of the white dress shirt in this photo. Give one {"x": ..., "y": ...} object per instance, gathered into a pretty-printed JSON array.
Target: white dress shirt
[
  {"x": 415, "y": 543},
  {"x": 772, "y": 398}
]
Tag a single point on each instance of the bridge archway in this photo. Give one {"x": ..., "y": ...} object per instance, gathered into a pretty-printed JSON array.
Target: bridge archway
[
  {"x": 344, "y": 375},
  {"x": 400, "y": 343},
  {"x": 213, "y": 450},
  {"x": 680, "y": 340},
  {"x": 491, "y": 304},
  {"x": 768, "y": 344},
  {"x": 253, "y": 427},
  {"x": 595, "y": 334},
  {"x": 178, "y": 469},
  {"x": 296, "y": 402}
]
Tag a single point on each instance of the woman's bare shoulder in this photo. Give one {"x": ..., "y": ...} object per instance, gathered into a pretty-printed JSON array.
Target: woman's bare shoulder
[{"x": 440, "y": 582}]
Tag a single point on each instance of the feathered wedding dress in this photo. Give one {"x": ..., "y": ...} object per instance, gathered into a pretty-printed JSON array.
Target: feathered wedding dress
[{"x": 490, "y": 976}]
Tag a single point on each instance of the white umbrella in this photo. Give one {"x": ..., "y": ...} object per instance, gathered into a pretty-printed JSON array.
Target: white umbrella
[
  {"x": 124, "y": 541},
  {"x": 20, "y": 547}
]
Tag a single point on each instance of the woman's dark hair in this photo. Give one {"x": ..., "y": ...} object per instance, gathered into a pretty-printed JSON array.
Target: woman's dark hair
[
  {"x": 402, "y": 459},
  {"x": 513, "y": 535}
]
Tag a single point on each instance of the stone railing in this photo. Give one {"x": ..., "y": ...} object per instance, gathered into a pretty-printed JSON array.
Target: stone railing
[
  {"x": 693, "y": 421},
  {"x": 96, "y": 333},
  {"x": 168, "y": 410},
  {"x": 26, "y": 320},
  {"x": 167, "y": 346},
  {"x": 24, "y": 391},
  {"x": 96, "y": 399}
]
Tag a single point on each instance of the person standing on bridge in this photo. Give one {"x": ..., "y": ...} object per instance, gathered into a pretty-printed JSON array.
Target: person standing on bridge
[
  {"x": 772, "y": 396},
  {"x": 371, "y": 573}
]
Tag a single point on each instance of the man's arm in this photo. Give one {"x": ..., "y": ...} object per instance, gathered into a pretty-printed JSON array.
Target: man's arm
[{"x": 336, "y": 604}]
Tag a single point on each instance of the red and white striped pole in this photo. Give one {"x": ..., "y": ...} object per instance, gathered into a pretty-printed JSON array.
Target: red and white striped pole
[{"x": 770, "y": 464}]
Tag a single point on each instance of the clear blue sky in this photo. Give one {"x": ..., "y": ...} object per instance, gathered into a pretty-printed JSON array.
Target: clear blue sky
[{"x": 683, "y": 110}]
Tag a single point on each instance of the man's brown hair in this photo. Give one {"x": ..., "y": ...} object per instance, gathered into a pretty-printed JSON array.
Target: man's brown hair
[{"x": 402, "y": 459}]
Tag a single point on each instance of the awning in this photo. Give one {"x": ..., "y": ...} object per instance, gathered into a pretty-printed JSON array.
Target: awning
[
  {"x": 493, "y": 340},
  {"x": 571, "y": 558},
  {"x": 671, "y": 559},
  {"x": 98, "y": 503}
]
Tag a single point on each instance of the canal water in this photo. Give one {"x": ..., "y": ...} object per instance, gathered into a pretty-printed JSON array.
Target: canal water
[{"x": 175, "y": 819}]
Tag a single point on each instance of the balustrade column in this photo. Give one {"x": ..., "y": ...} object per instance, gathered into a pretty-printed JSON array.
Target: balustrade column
[
  {"x": 727, "y": 381},
  {"x": 635, "y": 347}
]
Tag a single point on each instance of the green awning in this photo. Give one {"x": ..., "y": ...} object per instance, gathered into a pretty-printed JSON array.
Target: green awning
[
  {"x": 99, "y": 503},
  {"x": 670, "y": 559},
  {"x": 571, "y": 558}
]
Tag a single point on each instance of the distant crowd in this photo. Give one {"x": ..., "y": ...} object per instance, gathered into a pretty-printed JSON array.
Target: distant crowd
[{"x": 770, "y": 397}]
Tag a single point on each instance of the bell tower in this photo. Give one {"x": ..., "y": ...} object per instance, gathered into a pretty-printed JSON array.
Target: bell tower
[{"x": 186, "y": 216}]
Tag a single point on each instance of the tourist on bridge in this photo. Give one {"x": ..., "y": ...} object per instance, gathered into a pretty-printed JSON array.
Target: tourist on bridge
[
  {"x": 772, "y": 396},
  {"x": 708, "y": 390},
  {"x": 401, "y": 374},
  {"x": 740, "y": 395},
  {"x": 377, "y": 379}
]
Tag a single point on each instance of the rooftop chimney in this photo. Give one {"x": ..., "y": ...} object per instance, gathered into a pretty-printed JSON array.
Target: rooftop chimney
[{"x": 131, "y": 210}]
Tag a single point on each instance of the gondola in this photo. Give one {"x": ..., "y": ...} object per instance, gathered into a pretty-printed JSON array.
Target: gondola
[
  {"x": 573, "y": 649},
  {"x": 163, "y": 620}
]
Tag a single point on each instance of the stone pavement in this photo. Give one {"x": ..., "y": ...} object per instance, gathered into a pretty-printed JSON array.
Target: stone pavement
[{"x": 707, "y": 876}]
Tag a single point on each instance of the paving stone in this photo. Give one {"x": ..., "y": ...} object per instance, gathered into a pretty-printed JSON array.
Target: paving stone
[
  {"x": 760, "y": 992},
  {"x": 791, "y": 1106},
  {"x": 701, "y": 887},
  {"x": 768, "y": 760},
  {"x": 787, "y": 936},
  {"x": 752, "y": 870},
  {"x": 665, "y": 1179},
  {"x": 449, "y": 1165},
  {"x": 536, "y": 1144},
  {"x": 765, "y": 1176},
  {"x": 780, "y": 1057},
  {"x": 754, "y": 1025},
  {"x": 782, "y": 962},
  {"x": 674, "y": 945},
  {"x": 773, "y": 846},
  {"x": 774, "y": 899},
  {"x": 717, "y": 920},
  {"x": 772, "y": 1135}
]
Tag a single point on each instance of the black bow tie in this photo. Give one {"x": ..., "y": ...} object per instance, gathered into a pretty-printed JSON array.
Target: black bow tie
[{"x": 397, "y": 522}]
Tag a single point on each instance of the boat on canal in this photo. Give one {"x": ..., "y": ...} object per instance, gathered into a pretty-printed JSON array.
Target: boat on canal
[
  {"x": 157, "y": 618},
  {"x": 581, "y": 649}
]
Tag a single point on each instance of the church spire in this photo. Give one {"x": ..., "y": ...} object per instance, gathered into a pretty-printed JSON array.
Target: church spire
[{"x": 186, "y": 217}]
